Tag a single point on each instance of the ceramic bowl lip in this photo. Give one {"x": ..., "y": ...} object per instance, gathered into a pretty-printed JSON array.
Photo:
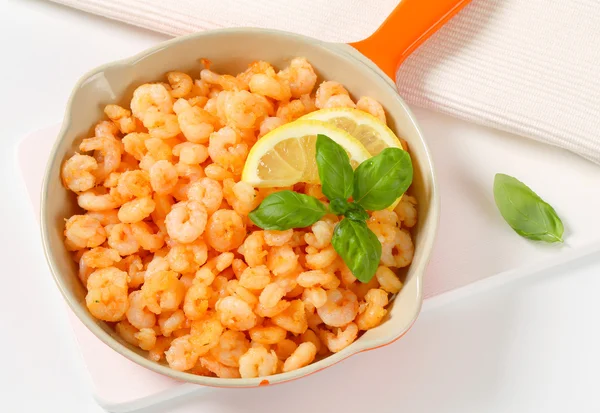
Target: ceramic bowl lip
[{"x": 106, "y": 338}]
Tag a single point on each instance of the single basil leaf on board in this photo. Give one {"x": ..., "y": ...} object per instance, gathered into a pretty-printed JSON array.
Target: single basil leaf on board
[
  {"x": 335, "y": 171},
  {"x": 382, "y": 179},
  {"x": 359, "y": 248},
  {"x": 528, "y": 214},
  {"x": 356, "y": 212},
  {"x": 287, "y": 209},
  {"x": 339, "y": 206}
]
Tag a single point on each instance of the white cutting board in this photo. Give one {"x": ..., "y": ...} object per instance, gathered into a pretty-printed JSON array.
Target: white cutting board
[{"x": 473, "y": 243}]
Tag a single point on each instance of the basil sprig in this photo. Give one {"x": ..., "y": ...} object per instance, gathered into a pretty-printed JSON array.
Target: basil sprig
[
  {"x": 375, "y": 185},
  {"x": 528, "y": 214},
  {"x": 335, "y": 171},
  {"x": 287, "y": 209},
  {"x": 379, "y": 180},
  {"x": 358, "y": 246}
]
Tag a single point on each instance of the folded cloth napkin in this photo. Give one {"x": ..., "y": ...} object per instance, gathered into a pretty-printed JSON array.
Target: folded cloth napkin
[{"x": 525, "y": 66}]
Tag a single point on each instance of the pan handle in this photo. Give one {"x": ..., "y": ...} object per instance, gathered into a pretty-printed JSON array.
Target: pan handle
[{"x": 409, "y": 25}]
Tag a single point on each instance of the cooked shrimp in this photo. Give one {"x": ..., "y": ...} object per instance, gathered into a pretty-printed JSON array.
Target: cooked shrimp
[
  {"x": 243, "y": 109},
  {"x": 267, "y": 334},
  {"x": 339, "y": 101},
  {"x": 108, "y": 217},
  {"x": 300, "y": 75},
  {"x": 196, "y": 123},
  {"x": 208, "y": 192},
  {"x": 84, "y": 231},
  {"x": 200, "y": 88},
  {"x": 134, "y": 144},
  {"x": 371, "y": 106},
  {"x": 121, "y": 238},
  {"x": 186, "y": 221},
  {"x": 340, "y": 309},
  {"x": 108, "y": 149},
  {"x": 163, "y": 291},
  {"x": 315, "y": 296},
  {"x": 218, "y": 369},
  {"x": 320, "y": 259},
  {"x": 407, "y": 211},
  {"x": 254, "y": 250},
  {"x": 373, "y": 311},
  {"x": 399, "y": 251},
  {"x": 234, "y": 288},
  {"x": 184, "y": 258},
  {"x": 236, "y": 314},
  {"x": 161, "y": 125},
  {"x": 217, "y": 172},
  {"x": 270, "y": 123},
  {"x": 78, "y": 173},
  {"x": 320, "y": 235},
  {"x": 302, "y": 356},
  {"x": 136, "y": 210},
  {"x": 315, "y": 278},
  {"x": 293, "y": 318},
  {"x": 164, "y": 204},
  {"x": 226, "y": 149},
  {"x": 138, "y": 314},
  {"x": 255, "y": 278},
  {"x": 195, "y": 303},
  {"x": 100, "y": 257},
  {"x": 146, "y": 338},
  {"x": 149, "y": 96},
  {"x": 278, "y": 238},
  {"x": 127, "y": 332},
  {"x": 191, "y": 153},
  {"x": 121, "y": 117},
  {"x": 227, "y": 82},
  {"x": 107, "y": 294},
  {"x": 259, "y": 66},
  {"x": 181, "y": 84},
  {"x": 170, "y": 322},
  {"x": 232, "y": 345},
  {"x": 270, "y": 86},
  {"x": 271, "y": 295},
  {"x": 258, "y": 362},
  {"x": 182, "y": 354},
  {"x": 149, "y": 238},
  {"x": 206, "y": 333},
  {"x": 326, "y": 91},
  {"x": 285, "y": 348},
  {"x": 388, "y": 280},
  {"x": 163, "y": 177},
  {"x": 281, "y": 260},
  {"x": 311, "y": 336},
  {"x": 241, "y": 196},
  {"x": 134, "y": 184},
  {"x": 341, "y": 339},
  {"x": 162, "y": 343},
  {"x": 278, "y": 308}
]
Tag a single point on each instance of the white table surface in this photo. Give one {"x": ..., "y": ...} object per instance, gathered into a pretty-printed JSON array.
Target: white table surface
[{"x": 529, "y": 346}]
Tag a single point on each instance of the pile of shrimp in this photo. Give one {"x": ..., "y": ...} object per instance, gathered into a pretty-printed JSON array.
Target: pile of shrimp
[{"x": 168, "y": 254}]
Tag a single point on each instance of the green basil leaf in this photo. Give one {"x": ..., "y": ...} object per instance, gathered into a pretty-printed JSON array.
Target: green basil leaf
[
  {"x": 356, "y": 212},
  {"x": 528, "y": 214},
  {"x": 339, "y": 206},
  {"x": 359, "y": 248},
  {"x": 382, "y": 179},
  {"x": 334, "y": 167},
  {"x": 287, "y": 209}
]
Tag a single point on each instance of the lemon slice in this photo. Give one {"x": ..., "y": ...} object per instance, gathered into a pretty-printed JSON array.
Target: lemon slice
[
  {"x": 370, "y": 131},
  {"x": 286, "y": 155},
  {"x": 374, "y": 135}
]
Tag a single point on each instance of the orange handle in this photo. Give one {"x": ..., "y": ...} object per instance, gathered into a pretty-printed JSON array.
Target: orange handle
[{"x": 409, "y": 25}]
